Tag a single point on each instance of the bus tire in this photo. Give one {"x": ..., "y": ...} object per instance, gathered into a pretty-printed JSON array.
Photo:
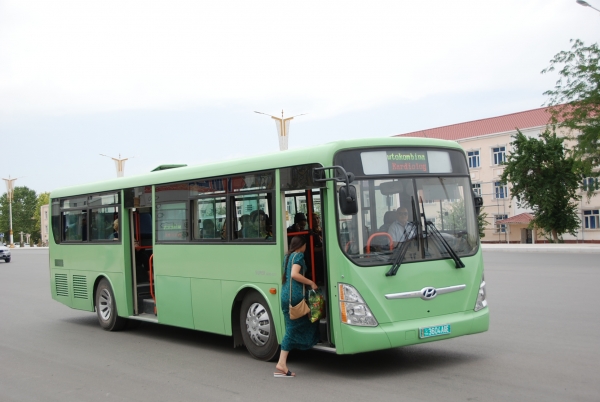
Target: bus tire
[
  {"x": 106, "y": 308},
  {"x": 257, "y": 327}
]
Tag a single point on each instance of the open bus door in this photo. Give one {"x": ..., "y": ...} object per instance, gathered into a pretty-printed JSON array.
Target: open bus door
[
  {"x": 306, "y": 204},
  {"x": 138, "y": 204}
]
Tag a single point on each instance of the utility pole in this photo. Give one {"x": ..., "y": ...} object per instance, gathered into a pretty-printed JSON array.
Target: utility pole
[{"x": 9, "y": 193}]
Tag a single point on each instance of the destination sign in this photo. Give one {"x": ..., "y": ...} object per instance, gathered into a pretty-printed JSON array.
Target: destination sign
[
  {"x": 398, "y": 161},
  {"x": 407, "y": 162}
]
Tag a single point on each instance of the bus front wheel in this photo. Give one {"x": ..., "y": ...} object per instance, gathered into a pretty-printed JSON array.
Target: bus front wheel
[
  {"x": 106, "y": 308},
  {"x": 258, "y": 330}
]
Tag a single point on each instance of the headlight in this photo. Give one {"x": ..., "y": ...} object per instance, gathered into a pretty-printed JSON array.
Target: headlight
[
  {"x": 353, "y": 309},
  {"x": 481, "y": 302}
]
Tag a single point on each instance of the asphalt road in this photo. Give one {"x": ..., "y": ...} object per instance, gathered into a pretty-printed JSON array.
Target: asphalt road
[{"x": 543, "y": 345}]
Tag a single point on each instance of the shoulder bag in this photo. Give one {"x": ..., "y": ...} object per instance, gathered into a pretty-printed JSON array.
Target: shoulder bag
[{"x": 301, "y": 309}]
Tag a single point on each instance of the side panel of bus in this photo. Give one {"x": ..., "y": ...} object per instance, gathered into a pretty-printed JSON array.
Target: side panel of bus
[
  {"x": 197, "y": 284},
  {"x": 75, "y": 270}
]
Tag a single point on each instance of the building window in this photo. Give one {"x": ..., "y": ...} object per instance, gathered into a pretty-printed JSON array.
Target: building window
[
  {"x": 499, "y": 155},
  {"x": 590, "y": 183},
  {"x": 476, "y": 188},
  {"x": 500, "y": 191},
  {"x": 500, "y": 228},
  {"x": 591, "y": 218},
  {"x": 473, "y": 159}
]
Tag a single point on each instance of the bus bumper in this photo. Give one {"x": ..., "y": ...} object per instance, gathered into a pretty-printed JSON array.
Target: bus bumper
[{"x": 392, "y": 335}]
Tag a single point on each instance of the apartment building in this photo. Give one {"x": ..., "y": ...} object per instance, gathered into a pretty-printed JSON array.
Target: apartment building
[{"x": 487, "y": 142}]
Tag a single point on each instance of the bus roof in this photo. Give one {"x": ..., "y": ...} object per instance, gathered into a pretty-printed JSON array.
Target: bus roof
[{"x": 316, "y": 154}]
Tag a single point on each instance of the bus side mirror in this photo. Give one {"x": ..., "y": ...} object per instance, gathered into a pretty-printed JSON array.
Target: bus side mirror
[
  {"x": 478, "y": 201},
  {"x": 348, "y": 201}
]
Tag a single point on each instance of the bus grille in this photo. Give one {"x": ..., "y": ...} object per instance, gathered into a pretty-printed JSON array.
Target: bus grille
[
  {"x": 62, "y": 288},
  {"x": 79, "y": 287}
]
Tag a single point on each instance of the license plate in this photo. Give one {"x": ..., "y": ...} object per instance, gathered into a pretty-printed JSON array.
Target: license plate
[{"x": 437, "y": 330}]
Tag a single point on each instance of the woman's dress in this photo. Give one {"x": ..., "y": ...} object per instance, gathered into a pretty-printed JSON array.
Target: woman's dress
[{"x": 299, "y": 333}]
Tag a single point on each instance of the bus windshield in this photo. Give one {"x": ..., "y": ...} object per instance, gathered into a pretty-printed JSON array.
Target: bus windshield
[{"x": 425, "y": 212}]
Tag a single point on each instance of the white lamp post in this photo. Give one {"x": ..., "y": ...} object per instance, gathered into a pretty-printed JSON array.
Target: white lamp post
[
  {"x": 9, "y": 193},
  {"x": 283, "y": 128},
  {"x": 119, "y": 164},
  {"x": 586, "y": 4}
]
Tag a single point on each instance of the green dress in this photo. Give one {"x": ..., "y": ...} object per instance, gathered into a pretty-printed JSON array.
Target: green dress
[{"x": 300, "y": 333}]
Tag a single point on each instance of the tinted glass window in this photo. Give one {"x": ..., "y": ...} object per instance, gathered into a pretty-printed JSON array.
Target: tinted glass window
[
  {"x": 211, "y": 216},
  {"x": 104, "y": 223},
  {"x": 171, "y": 222}
]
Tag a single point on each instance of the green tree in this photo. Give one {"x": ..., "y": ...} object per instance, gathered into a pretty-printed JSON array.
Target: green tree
[
  {"x": 575, "y": 102},
  {"x": 23, "y": 209},
  {"x": 482, "y": 222},
  {"x": 453, "y": 217},
  {"x": 544, "y": 179},
  {"x": 42, "y": 199}
]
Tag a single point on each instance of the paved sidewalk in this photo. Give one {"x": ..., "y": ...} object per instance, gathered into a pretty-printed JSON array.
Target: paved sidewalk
[{"x": 581, "y": 248}]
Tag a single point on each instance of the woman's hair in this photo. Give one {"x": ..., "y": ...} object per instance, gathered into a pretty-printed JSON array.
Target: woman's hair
[{"x": 296, "y": 243}]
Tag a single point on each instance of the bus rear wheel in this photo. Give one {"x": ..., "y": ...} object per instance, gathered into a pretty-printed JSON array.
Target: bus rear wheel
[
  {"x": 106, "y": 308},
  {"x": 258, "y": 330}
]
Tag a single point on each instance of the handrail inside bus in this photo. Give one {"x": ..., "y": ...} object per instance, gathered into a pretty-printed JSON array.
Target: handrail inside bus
[
  {"x": 136, "y": 216},
  {"x": 151, "y": 281},
  {"x": 376, "y": 235},
  {"x": 311, "y": 238}
]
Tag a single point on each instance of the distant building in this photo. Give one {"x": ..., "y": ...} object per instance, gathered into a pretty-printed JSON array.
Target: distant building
[{"x": 487, "y": 142}]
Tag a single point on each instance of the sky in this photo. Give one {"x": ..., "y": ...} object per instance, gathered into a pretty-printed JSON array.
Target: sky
[{"x": 162, "y": 82}]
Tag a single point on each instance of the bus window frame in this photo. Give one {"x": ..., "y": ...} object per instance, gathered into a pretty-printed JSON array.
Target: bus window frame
[
  {"x": 87, "y": 210},
  {"x": 229, "y": 194}
]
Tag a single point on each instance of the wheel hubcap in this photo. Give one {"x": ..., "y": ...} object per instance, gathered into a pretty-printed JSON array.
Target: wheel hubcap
[
  {"x": 105, "y": 305},
  {"x": 258, "y": 324}
]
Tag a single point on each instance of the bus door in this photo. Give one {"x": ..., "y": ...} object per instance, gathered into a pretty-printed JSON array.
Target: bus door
[
  {"x": 139, "y": 205},
  {"x": 302, "y": 216}
]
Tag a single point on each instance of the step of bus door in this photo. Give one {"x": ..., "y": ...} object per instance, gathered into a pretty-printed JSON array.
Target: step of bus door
[
  {"x": 148, "y": 306},
  {"x": 143, "y": 288},
  {"x": 323, "y": 331}
]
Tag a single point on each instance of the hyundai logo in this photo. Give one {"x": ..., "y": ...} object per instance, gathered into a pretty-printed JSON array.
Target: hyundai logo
[{"x": 428, "y": 293}]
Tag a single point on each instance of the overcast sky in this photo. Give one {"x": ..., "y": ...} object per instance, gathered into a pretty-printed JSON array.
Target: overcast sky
[{"x": 179, "y": 81}]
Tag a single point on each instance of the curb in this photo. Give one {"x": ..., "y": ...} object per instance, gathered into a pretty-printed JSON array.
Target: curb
[{"x": 544, "y": 248}]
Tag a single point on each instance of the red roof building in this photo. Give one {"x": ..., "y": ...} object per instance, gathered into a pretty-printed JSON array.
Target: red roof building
[
  {"x": 493, "y": 125},
  {"x": 521, "y": 219},
  {"x": 486, "y": 143}
]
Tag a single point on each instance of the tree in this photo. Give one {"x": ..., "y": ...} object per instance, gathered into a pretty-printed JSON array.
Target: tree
[
  {"x": 545, "y": 179},
  {"x": 453, "y": 217},
  {"x": 42, "y": 199},
  {"x": 23, "y": 209},
  {"x": 575, "y": 102},
  {"x": 482, "y": 222}
]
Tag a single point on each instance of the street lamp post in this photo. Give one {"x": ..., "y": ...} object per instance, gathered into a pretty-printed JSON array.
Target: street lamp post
[
  {"x": 9, "y": 194},
  {"x": 586, "y": 4},
  {"x": 283, "y": 128},
  {"x": 119, "y": 164}
]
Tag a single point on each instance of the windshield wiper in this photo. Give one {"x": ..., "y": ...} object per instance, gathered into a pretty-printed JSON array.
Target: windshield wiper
[
  {"x": 437, "y": 235},
  {"x": 399, "y": 257}
]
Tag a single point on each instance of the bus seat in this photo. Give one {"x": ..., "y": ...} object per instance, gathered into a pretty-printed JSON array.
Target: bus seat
[{"x": 388, "y": 218}]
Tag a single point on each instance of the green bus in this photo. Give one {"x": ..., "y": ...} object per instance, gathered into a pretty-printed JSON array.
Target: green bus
[{"x": 201, "y": 247}]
